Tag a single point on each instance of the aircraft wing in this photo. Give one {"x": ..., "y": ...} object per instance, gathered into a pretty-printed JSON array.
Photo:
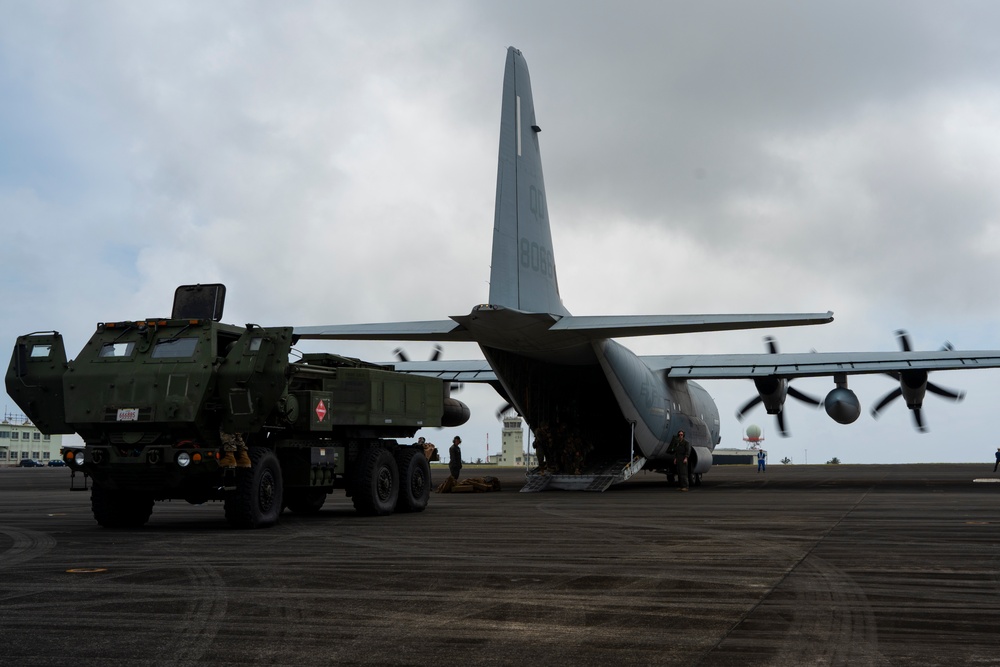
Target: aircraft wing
[
  {"x": 474, "y": 370},
  {"x": 430, "y": 330},
  {"x": 816, "y": 364}
]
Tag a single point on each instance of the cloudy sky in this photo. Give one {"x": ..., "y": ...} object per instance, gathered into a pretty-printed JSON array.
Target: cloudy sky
[{"x": 336, "y": 163}]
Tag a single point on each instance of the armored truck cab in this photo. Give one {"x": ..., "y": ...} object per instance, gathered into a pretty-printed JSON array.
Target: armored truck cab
[{"x": 157, "y": 400}]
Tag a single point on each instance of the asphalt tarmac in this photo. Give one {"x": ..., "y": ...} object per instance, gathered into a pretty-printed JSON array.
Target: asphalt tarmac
[{"x": 801, "y": 565}]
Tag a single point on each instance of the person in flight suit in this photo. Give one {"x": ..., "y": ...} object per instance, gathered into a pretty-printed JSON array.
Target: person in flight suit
[
  {"x": 682, "y": 453},
  {"x": 455, "y": 457}
]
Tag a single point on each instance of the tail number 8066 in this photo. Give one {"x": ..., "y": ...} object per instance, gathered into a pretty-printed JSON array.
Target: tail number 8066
[{"x": 537, "y": 258}]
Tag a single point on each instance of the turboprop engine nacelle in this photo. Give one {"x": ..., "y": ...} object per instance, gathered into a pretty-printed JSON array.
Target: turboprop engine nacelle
[
  {"x": 842, "y": 405},
  {"x": 701, "y": 459},
  {"x": 913, "y": 387},
  {"x": 456, "y": 413},
  {"x": 772, "y": 393}
]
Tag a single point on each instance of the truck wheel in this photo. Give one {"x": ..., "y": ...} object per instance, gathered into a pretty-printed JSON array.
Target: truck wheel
[
  {"x": 119, "y": 509},
  {"x": 256, "y": 501},
  {"x": 414, "y": 480},
  {"x": 377, "y": 483},
  {"x": 305, "y": 502}
]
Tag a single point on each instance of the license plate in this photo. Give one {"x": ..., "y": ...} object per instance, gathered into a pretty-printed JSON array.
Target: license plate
[{"x": 128, "y": 414}]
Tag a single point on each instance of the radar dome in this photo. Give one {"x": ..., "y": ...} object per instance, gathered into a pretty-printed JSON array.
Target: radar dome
[{"x": 753, "y": 432}]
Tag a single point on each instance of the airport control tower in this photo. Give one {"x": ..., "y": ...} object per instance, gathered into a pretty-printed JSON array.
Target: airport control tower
[{"x": 511, "y": 441}]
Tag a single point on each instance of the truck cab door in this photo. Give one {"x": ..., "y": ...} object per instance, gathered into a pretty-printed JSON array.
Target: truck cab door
[
  {"x": 252, "y": 377},
  {"x": 35, "y": 380}
]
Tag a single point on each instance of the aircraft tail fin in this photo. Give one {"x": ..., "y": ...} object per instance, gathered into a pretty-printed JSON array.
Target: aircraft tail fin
[{"x": 523, "y": 273}]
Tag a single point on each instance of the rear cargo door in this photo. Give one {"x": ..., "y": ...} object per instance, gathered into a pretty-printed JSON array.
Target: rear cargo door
[
  {"x": 35, "y": 380},
  {"x": 252, "y": 377}
]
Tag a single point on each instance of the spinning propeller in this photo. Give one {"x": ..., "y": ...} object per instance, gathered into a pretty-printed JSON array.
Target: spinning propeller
[
  {"x": 402, "y": 356},
  {"x": 435, "y": 355},
  {"x": 504, "y": 409},
  {"x": 912, "y": 386},
  {"x": 772, "y": 390}
]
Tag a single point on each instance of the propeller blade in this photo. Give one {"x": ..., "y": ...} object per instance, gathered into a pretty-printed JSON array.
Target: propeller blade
[
  {"x": 805, "y": 398},
  {"x": 888, "y": 398},
  {"x": 749, "y": 404},
  {"x": 947, "y": 393},
  {"x": 456, "y": 386},
  {"x": 904, "y": 340},
  {"x": 918, "y": 420},
  {"x": 781, "y": 424},
  {"x": 402, "y": 356},
  {"x": 503, "y": 409},
  {"x": 772, "y": 344}
]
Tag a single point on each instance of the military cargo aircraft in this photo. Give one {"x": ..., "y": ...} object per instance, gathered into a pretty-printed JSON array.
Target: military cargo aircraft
[{"x": 603, "y": 412}]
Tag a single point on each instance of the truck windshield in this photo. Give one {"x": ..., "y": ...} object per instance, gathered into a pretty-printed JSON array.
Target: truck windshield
[
  {"x": 174, "y": 348},
  {"x": 117, "y": 350}
]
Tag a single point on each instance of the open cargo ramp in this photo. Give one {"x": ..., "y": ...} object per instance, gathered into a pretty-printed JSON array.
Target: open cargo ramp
[{"x": 599, "y": 478}]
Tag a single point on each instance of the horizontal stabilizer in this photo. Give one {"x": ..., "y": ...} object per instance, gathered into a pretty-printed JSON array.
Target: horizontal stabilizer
[{"x": 623, "y": 326}]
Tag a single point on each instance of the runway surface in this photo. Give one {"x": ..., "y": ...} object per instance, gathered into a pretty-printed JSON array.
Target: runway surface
[{"x": 801, "y": 565}]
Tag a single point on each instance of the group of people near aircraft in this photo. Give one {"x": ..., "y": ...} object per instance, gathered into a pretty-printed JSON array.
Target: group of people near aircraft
[
  {"x": 569, "y": 457},
  {"x": 454, "y": 454}
]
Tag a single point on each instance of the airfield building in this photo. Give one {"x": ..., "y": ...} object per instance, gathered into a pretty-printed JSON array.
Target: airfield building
[
  {"x": 20, "y": 440},
  {"x": 734, "y": 456}
]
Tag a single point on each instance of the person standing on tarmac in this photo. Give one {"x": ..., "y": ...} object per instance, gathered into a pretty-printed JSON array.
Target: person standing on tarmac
[
  {"x": 455, "y": 458},
  {"x": 998, "y": 460},
  {"x": 762, "y": 460},
  {"x": 682, "y": 451}
]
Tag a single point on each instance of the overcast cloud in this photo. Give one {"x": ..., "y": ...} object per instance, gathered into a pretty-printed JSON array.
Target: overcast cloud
[{"x": 336, "y": 163}]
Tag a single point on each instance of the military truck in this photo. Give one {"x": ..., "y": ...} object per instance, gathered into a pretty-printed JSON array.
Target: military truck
[{"x": 156, "y": 401}]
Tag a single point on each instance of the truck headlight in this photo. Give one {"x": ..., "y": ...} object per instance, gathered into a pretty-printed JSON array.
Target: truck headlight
[{"x": 183, "y": 459}]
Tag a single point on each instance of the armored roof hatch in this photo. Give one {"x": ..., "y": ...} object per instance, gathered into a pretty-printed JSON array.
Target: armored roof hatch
[{"x": 199, "y": 302}]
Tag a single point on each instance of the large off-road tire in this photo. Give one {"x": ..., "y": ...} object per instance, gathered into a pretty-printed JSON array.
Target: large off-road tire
[
  {"x": 119, "y": 509},
  {"x": 256, "y": 501},
  {"x": 377, "y": 483},
  {"x": 414, "y": 480},
  {"x": 305, "y": 501}
]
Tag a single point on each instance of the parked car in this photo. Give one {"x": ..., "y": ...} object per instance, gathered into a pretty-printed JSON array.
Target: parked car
[
  {"x": 28, "y": 463},
  {"x": 57, "y": 463}
]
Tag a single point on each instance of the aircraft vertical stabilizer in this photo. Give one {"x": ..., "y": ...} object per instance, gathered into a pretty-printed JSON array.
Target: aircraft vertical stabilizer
[{"x": 523, "y": 275}]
